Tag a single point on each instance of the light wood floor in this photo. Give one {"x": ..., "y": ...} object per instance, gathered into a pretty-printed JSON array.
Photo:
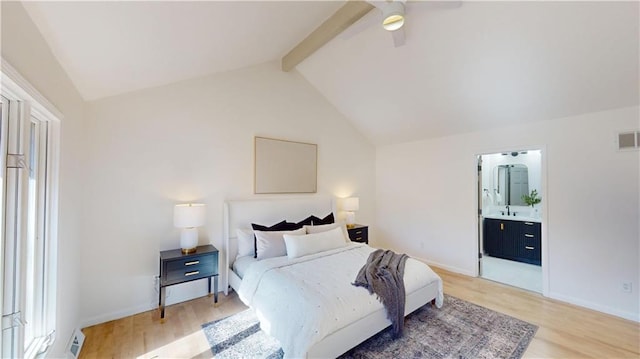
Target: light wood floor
[{"x": 565, "y": 331}]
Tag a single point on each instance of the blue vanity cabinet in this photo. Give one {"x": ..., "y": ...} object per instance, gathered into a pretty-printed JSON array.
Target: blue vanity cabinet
[
  {"x": 493, "y": 237},
  {"x": 529, "y": 250},
  {"x": 514, "y": 240}
]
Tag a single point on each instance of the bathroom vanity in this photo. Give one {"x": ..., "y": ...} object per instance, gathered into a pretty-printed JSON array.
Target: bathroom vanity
[{"x": 513, "y": 238}]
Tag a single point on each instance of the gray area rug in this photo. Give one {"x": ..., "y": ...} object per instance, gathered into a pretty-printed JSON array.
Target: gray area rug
[{"x": 457, "y": 330}]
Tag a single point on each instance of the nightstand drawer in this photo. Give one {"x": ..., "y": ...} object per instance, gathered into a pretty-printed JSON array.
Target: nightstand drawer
[
  {"x": 191, "y": 268},
  {"x": 190, "y": 264},
  {"x": 187, "y": 274},
  {"x": 359, "y": 234}
]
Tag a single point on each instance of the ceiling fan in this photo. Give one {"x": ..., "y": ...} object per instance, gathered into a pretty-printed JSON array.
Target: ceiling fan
[
  {"x": 392, "y": 14},
  {"x": 356, "y": 15}
]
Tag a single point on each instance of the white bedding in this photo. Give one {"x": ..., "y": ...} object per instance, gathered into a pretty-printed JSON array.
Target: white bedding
[
  {"x": 241, "y": 264},
  {"x": 300, "y": 301}
]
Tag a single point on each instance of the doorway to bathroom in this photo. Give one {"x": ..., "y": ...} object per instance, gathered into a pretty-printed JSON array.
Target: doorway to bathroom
[{"x": 510, "y": 218}]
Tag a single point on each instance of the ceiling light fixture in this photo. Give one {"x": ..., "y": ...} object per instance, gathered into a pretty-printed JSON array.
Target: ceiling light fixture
[{"x": 393, "y": 16}]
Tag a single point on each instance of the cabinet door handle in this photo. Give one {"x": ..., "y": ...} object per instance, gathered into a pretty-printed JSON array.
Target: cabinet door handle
[
  {"x": 502, "y": 226},
  {"x": 529, "y": 235},
  {"x": 192, "y": 273},
  {"x": 529, "y": 223},
  {"x": 191, "y": 263},
  {"x": 529, "y": 248}
]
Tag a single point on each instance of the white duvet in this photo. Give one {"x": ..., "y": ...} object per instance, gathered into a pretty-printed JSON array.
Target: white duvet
[{"x": 300, "y": 301}]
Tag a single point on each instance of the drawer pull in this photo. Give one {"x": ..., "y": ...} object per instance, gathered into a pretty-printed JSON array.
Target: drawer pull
[
  {"x": 529, "y": 223},
  {"x": 359, "y": 232},
  {"x": 502, "y": 226},
  {"x": 529, "y": 248},
  {"x": 192, "y": 273},
  {"x": 529, "y": 235},
  {"x": 191, "y": 263},
  {"x": 358, "y": 239}
]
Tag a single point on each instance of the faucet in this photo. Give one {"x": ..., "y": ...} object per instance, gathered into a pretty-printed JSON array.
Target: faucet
[{"x": 508, "y": 213}]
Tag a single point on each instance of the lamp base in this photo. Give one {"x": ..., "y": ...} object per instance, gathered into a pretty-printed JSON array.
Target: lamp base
[
  {"x": 189, "y": 250},
  {"x": 351, "y": 219},
  {"x": 189, "y": 240}
]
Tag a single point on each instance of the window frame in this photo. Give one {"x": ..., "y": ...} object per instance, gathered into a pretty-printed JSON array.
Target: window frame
[{"x": 37, "y": 108}]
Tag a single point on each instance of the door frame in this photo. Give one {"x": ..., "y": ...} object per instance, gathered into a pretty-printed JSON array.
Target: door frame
[{"x": 544, "y": 205}]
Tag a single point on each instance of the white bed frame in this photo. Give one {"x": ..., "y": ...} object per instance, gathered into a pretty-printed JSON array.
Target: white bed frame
[{"x": 240, "y": 214}]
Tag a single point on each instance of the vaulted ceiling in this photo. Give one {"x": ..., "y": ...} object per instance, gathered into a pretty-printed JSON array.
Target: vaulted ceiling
[{"x": 463, "y": 68}]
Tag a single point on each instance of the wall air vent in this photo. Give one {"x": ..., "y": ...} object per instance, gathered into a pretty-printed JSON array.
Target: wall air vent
[{"x": 629, "y": 140}]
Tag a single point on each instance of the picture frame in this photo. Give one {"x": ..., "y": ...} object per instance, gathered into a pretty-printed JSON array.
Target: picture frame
[{"x": 283, "y": 166}]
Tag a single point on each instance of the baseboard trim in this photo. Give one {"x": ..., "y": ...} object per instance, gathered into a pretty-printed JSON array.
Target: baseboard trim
[
  {"x": 102, "y": 318},
  {"x": 595, "y": 306},
  {"x": 553, "y": 295},
  {"x": 446, "y": 267}
]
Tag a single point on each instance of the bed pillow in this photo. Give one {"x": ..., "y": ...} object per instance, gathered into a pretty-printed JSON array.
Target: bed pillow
[
  {"x": 326, "y": 220},
  {"x": 246, "y": 242},
  {"x": 327, "y": 227},
  {"x": 280, "y": 226},
  {"x": 313, "y": 220},
  {"x": 302, "y": 245},
  {"x": 270, "y": 244},
  {"x": 307, "y": 221}
]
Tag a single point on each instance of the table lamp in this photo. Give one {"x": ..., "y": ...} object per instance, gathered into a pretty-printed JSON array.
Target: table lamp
[
  {"x": 188, "y": 217},
  {"x": 350, "y": 205}
]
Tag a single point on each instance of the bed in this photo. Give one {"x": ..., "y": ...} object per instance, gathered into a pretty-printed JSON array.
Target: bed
[{"x": 272, "y": 286}]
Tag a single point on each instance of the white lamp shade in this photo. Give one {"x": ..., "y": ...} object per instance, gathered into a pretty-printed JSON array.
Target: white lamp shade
[
  {"x": 351, "y": 204},
  {"x": 188, "y": 215}
]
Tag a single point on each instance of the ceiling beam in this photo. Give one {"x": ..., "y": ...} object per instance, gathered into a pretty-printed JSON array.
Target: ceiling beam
[{"x": 348, "y": 14}]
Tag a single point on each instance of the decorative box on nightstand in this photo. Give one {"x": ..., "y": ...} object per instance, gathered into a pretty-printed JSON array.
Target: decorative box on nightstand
[
  {"x": 176, "y": 268},
  {"x": 359, "y": 233}
]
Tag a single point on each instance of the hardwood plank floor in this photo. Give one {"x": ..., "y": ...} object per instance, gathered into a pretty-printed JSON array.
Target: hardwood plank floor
[{"x": 565, "y": 331}]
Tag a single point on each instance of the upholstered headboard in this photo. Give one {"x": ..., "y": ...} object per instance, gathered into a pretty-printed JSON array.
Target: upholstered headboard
[{"x": 241, "y": 213}]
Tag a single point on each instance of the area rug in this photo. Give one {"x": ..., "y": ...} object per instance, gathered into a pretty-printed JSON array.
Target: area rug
[{"x": 457, "y": 330}]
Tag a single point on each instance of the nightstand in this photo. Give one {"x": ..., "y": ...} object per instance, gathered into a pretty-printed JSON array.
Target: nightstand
[
  {"x": 176, "y": 268},
  {"x": 359, "y": 233}
]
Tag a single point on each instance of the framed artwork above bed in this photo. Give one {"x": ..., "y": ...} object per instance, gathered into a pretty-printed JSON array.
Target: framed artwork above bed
[{"x": 283, "y": 166}]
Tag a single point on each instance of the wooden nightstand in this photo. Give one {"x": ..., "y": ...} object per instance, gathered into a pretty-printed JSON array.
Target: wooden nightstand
[
  {"x": 359, "y": 233},
  {"x": 176, "y": 268}
]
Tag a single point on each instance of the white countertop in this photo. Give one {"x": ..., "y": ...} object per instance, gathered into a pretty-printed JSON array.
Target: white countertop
[{"x": 513, "y": 218}]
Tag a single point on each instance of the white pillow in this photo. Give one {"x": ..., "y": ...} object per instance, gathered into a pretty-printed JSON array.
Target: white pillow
[
  {"x": 246, "y": 246},
  {"x": 298, "y": 246},
  {"x": 271, "y": 244},
  {"x": 328, "y": 227}
]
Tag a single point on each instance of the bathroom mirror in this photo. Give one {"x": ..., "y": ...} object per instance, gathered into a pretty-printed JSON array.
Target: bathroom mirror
[{"x": 511, "y": 183}]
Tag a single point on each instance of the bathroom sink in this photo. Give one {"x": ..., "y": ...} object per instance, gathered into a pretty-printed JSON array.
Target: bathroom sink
[{"x": 517, "y": 217}]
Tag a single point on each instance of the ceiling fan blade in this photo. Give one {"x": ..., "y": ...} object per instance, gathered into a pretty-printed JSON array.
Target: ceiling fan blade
[{"x": 398, "y": 37}]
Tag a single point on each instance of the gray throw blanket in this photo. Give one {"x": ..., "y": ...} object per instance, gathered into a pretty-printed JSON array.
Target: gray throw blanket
[{"x": 383, "y": 274}]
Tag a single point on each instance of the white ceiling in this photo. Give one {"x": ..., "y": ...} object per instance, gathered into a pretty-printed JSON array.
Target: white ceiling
[
  {"x": 466, "y": 68},
  {"x": 482, "y": 65},
  {"x": 112, "y": 47}
]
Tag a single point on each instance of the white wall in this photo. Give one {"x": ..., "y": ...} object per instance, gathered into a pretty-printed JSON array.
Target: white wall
[
  {"x": 193, "y": 141},
  {"x": 24, "y": 48},
  {"x": 426, "y": 203}
]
